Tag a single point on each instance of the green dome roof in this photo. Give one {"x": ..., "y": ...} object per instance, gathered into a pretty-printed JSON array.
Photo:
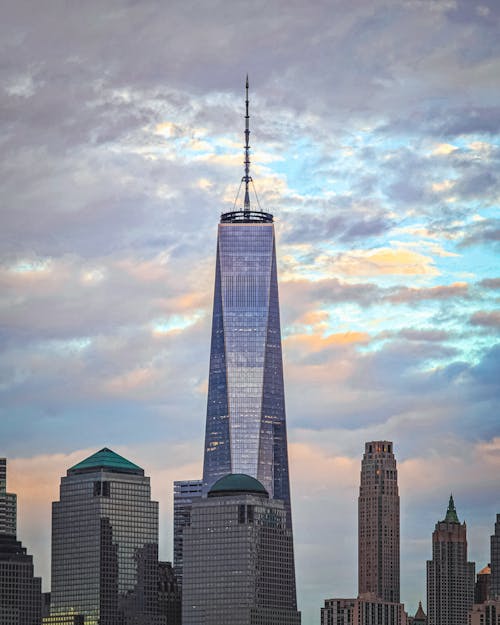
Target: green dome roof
[
  {"x": 237, "y": 483},
  {"x": 106, "y": 459}
]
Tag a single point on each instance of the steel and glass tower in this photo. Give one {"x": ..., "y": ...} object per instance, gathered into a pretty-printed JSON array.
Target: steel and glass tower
[{"x": 246, "y": 426}]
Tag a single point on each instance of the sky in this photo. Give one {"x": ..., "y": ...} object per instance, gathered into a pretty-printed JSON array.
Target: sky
[{"x": 375, "y": 134}]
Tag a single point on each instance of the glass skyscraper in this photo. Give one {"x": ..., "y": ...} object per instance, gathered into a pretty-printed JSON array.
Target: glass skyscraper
[
  {"x": 246, "y": 426},
  {"x": 104, "y": 545}
]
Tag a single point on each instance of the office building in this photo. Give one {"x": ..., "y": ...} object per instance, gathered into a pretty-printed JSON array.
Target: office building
[
  {"x": 8, "y": 504},
  {"x": 246, "y": 423},
  {"x": 367, "y": 609},
  {"x": 378, "y": 523},
  {"x": 450, "y": 578},
  {"x": 169, "y": 595},
  {"x": 185, "y": 492},
  {"x": 482, "y": 587},
  {"x": 104, "y": 545},
  {"x": 338, "y": 612},
  {"x": 238, "y": 558},
  {"x": 20, "y": 590},
  {"x": 495, "y": 561},
  {"x": 487, "y": 613}
]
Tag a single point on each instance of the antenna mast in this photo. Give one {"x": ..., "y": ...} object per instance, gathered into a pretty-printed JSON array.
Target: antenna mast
[{"x": 247, "y": 178}]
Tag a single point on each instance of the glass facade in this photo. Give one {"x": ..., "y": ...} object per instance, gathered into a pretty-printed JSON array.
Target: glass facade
[
  {"x": 246, "y": 427},
  {"x": 105, "y": 544},
  {"x": 238, "y": 563}
]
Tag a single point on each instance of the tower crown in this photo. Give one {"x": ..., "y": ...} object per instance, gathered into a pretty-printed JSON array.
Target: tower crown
[{"x": 451, "y": 513}]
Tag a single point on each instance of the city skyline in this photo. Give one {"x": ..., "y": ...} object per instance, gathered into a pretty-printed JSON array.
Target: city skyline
[{"x": 376, "y": 149}]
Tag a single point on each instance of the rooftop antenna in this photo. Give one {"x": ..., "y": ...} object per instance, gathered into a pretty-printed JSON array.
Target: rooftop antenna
[{"x": 247, "y": 178}]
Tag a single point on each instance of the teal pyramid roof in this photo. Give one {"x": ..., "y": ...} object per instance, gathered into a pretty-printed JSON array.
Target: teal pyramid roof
[
  {"x": 451, "y": 513},
  {"x": 106, "y": 459}
]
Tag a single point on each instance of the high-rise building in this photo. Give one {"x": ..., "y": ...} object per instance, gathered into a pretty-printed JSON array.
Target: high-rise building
[
  {"x": 482, "y": 587},
  {"x": 20, "y": 590},
  {"x": 238, "y": 558},
  {"x": 185, "y": 492},
  {"x": 246, "y": 426},
  {"x": 104, "y": 544},
  {"x": 378, "y": 523},
  {"x": 450, "y": 578},
  {"x": 8, "y": 504},
  {"x": 495, "y": 561}
]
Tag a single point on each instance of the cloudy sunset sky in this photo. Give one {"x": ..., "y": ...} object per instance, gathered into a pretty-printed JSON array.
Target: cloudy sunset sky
[{"x": 375, "y": 144}]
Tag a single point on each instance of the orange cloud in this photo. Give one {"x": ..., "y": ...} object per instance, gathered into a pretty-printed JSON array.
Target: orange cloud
[
  {"x": 384, "y": 261},
  {"x": 316, "y": 343}
]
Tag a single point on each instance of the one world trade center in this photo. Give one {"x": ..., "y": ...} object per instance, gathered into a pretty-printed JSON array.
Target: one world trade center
[{"x": 246, "y": 424}]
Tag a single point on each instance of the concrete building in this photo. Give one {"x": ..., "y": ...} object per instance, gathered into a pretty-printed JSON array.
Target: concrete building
[
  {"x": 378, "y": 523},
  {"x": 185, "y": 492},
  {"x": 483, "y": 582},
  {"x": 365, "y": 610},
  {"x": 8, "y": 504},
  {"x": 238, "y": 558},
  {"x": 20, "y": 590},
  {"x": 495, "y": 561},
  {"x": 450, "y": 578},
  {"x": 487, "y": 613},
  {"x": 169, "y": 594}
]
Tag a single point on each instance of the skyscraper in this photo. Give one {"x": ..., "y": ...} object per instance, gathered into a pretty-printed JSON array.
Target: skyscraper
[
  {"x": 104, "y": 544},
  {"x": 238, "y": 558},
  {"x": 378, "y": 523},
  {"x": 20, "y": 590},
  {"x": 185, "y": 492},
  {"x": 450, "y": 578},
  {"x": 495, "y": 561},
  {"x": 8, "y": 504},
  {"x": 245, "y": 426}
]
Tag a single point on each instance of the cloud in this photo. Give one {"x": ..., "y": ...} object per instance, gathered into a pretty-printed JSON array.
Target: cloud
[{"x": 487, "y": 319}]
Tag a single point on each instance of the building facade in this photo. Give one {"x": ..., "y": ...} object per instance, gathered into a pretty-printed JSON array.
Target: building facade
[
  {"x": 104, "y": 545},
  {"x": 365, "y": 610},
  {"x": 169, "y": 595},
  {"x": 482, "y": 590},
  {"x": 495, "y": 561},
  {"x": 378, "y": 523},
  {"x": 20, "y": 590},
  {"x": 487, "y": 613},
  {"x": 185, "y": 492},
  {"x": 238, "y": 558},
  {"x": 8, "y": 504},
  {"x": 450, "y": 578}
]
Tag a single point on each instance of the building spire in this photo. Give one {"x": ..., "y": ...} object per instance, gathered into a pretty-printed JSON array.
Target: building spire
[
  {"x": 247, "y": 178},
  {"x": 451, "y": 513}
]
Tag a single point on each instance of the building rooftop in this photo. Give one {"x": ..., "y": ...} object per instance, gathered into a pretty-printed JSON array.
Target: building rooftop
[
  {"x": 451, "y": 513},
  {"x": 236, "y": 483},
  {"x": 485, "y": 571},
  {"x": 420, "y": 614},
  {"x": 106, "y": 459}
]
